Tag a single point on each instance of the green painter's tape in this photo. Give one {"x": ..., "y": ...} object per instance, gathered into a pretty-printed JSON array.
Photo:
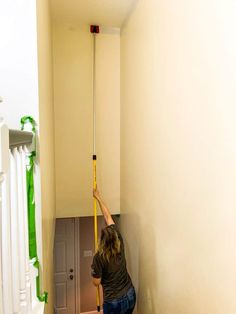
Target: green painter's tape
[
  {"x": 28, "y": 119},
  {"x": 42, "y": 297},
  {"x": 31, "y": 207}
]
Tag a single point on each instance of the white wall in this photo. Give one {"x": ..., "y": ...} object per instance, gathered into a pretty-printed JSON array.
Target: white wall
[
  {"x": 26, "y": 88},
  {"x": 178, "y": 155},
  {"x": 18, "y": 61},
  {"x": 19, "y": 71},
  {"x": 19, "y": 75},
  {"x": 73, "y": 59}
]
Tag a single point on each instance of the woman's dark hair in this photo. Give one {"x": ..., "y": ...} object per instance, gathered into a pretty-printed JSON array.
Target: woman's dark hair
[{"x": 109, "y": 245}]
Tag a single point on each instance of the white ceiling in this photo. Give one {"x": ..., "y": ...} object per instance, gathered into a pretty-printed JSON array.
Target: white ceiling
[{"x": 111, "y": 13}]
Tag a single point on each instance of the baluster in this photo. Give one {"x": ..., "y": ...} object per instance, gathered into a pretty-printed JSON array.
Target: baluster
[
  {"x": 14, "y": 234},
  {"x": 1, "y": 281},
  {"x": 21, "y": 230},
  {"x": 27, "y": 267},
  {"x": 5, "y": 256},
  {"x": 6, "y": 245},
  {"x": 1, "y": 179},
  {"x": 1, "y": 292}
]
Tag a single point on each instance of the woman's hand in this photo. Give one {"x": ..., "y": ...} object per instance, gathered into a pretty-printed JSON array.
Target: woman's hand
[
  {"x": 96, "y": 194},
  {"x": 103, "y": 207}
]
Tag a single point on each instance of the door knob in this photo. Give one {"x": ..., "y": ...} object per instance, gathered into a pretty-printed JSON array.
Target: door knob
[
  {"x": 71, "y": 277},
  {"x": 71, "y": 270}
]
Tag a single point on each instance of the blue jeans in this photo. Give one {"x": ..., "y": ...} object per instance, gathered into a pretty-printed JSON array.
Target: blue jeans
[{"x": 123, "y": 305}]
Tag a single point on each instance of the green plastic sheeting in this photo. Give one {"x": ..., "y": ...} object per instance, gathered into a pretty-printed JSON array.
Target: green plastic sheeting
[{"x": 42, "y": 297}]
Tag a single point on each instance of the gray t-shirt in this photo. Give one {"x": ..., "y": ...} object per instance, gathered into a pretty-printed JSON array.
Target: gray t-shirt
[{"x": 115, "y": 279}]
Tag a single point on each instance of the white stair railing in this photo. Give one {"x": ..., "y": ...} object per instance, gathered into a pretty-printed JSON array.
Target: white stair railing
[{"x": 17, "y": 273}]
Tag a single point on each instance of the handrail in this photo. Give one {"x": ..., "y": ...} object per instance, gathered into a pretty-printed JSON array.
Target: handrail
[{"x": 19, "y": 138}]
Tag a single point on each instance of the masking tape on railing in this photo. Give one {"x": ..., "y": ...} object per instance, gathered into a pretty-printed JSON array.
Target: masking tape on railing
[{"x": 42, "y": 297}]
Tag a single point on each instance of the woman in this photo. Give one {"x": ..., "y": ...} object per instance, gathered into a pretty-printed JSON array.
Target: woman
[{"x": 109, "y": 268}]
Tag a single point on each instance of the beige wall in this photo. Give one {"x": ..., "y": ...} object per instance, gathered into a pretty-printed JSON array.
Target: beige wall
[
  {"x": 108, "y": 118},
  {"x": 73, "y": 55},
  {"x": 46, "y": 145},
  {"x": 178, "y": 155}
]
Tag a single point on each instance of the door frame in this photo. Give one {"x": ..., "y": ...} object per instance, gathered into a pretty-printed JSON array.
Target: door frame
[
  {"x": 76, "y": 261},
  {"x": 77, "y": 266}
]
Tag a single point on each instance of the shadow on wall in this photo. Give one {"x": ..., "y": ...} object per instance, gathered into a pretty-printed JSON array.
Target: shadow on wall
[
  {"x": 141, "y": 261},
  {"x": 147, "y": 274}
]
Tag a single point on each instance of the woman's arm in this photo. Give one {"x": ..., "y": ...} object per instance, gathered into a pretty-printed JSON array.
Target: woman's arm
[{"x": 105, "y": 211}]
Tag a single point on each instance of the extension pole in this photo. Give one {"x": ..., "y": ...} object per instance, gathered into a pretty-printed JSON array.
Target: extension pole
[{"x": 95, "y": 30}]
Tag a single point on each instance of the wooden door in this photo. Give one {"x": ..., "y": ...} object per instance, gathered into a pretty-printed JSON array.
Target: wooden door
[{"x": 64, "y": 267}]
